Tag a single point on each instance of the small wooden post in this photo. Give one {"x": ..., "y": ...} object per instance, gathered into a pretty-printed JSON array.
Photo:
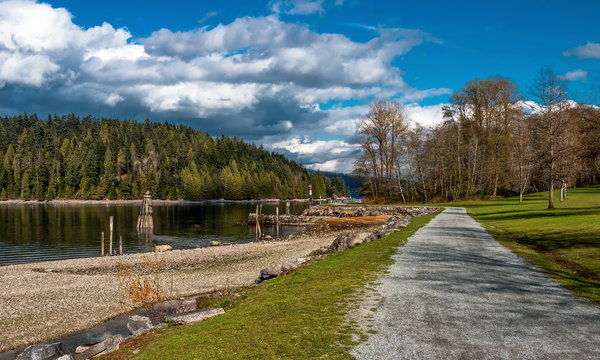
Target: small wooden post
[
  {"x": 102, "y": 243},
  {"x": 120, "y": 244},
  {"x": 110, "y": 241},
  {"x": 256, "y": 223},
  {"x": 287, "y": 208},
  {"x": 258, "y": 229},
  {"x": 277, "y": 220}
]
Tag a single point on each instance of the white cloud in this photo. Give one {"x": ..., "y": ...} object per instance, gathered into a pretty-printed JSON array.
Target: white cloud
[
  {"x": 25, "y": 69},
  {"x": 304, "y": 146},
  {"x": 574, "y": 75},
  {"x": 298, "y": 7},
  {"x": 334, "y": 165},
  {"x": 588, "y": 51},
  {"x": 424, "y": 115},
  {"x": 113, "y": 99},
  {"x": 256, "y": 77}
]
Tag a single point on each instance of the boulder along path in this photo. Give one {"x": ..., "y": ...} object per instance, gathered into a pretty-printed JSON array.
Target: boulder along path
[{"x": 455, "y": 293}]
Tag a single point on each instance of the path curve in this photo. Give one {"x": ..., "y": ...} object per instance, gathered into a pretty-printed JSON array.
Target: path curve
[{"x": 455, "y": 293}]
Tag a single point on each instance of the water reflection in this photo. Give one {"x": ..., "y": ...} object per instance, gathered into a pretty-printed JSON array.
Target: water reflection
[{"x": 40, "y": 232}]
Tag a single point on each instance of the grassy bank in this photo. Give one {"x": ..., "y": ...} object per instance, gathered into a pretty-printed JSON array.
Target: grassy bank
[
  {"x": 298, "y": 316},
  {"x": 563, "y": 242}
]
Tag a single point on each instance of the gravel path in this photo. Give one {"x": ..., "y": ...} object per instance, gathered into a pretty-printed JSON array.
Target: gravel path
[
  {"x": 455, "y": 293},
  {"x": 48, "y": 300}
]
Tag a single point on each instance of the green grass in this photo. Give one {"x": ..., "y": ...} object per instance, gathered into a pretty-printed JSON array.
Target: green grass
[
  {"x": 298, "y": 316},
  {"x": 563, "y": 242}
]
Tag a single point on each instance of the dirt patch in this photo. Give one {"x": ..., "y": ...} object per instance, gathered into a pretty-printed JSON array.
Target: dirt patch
[{"x": 358, "y": 221}]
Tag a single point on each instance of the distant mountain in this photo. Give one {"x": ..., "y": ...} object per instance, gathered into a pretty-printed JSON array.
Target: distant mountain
[{"x": 353, "y": 183}]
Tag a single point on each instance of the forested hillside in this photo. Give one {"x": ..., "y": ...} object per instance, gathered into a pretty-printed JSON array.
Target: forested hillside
[{"x": 87, "y": 158}]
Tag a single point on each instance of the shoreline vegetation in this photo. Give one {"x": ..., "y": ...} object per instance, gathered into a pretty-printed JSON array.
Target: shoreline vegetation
[{"x": 154, "y": 201}]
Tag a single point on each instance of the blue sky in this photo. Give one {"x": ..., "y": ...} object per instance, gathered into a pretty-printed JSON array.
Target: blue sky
[{"x": 294, "y": 75}]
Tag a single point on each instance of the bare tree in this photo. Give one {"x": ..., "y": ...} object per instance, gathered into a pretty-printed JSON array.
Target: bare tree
[
  {"x": 522, "y": 156},
  {"x": 550, "y": 94},
  {"x": 381, "y": 129}
]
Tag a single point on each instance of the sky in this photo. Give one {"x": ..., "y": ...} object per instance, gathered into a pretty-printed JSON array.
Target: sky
[{"x": 293, "y": 75}]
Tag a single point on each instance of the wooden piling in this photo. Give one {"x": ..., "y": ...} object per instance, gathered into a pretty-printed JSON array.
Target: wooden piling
[
  {"x": 120, "y": 245},
  {"x": 145, "y": 222},
  {"x": 110, "y": 241},
  {"x": 102, "y": 243}
]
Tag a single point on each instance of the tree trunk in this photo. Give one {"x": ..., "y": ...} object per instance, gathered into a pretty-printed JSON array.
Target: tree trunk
[
  {"x": 520, "y": 197},
  {"x": 562, "y": 191},
  {"x": 551, "y": 195}
]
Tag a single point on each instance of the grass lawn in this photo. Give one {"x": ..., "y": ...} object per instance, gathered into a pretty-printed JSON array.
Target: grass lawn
[
  {"x": 298, "y": 316},
  {"x": 563, "y": 242}
]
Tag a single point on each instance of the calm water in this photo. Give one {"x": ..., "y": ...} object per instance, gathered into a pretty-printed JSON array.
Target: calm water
[{"x": 41, "y": 232}]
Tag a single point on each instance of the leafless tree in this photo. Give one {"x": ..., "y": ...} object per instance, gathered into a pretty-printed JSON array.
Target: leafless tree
[
  {"x": 550, "y": 122},
  {"x": 381, "y": 130}
]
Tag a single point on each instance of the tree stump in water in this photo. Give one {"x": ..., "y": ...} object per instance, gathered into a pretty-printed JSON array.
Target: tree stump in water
[{"x": 144, "y": 222}]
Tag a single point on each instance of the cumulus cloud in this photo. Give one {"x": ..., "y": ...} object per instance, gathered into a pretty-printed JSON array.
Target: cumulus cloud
[
  {"x": 427, "y": 116},
  {"x": 588, "y": 51},
  {"x": 257, "y": 77},
  {"x": 325, "y": 155},
  {"x": 574, "y": 75}
]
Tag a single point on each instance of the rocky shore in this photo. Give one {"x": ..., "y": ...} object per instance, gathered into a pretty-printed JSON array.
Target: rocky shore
[{"x": 45, "y": 301}]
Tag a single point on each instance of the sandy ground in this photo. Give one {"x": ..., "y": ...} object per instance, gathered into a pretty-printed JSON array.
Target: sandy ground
[{"x": 44, "y": 301}]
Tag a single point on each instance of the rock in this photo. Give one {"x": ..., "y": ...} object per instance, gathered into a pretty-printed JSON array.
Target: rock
[
  {"x": 81, "y": 348},
  {"x": 289, "y": 266},
  {"x": 193, "y": 317},
  {"x": 139, "y": 324},
  {"x": 268, "y": 237},
  {"x": 269, "y": 273},
  {"x": 66, "y": 357},
  {"x": 186, "y": 306},
  {"x": 50, "y": 351},
  {"x": 162, "y": 248},
  {"x": 215, "y": 243},
  {"x": 106, "y": 346},
  {"x": 345, "y": 240}
]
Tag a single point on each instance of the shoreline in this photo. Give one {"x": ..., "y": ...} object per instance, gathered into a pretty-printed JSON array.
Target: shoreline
[
  {"x": 48, "y": 300},
  {"x": 154, "y": 201}
]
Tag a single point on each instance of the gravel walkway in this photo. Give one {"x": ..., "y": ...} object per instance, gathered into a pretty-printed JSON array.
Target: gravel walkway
[
  {"x": 455, "y": 293},
  {"x": 48, "y": 300}
]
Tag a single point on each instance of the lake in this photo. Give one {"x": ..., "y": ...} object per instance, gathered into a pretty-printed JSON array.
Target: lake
[{"x": 42, "y": 232}]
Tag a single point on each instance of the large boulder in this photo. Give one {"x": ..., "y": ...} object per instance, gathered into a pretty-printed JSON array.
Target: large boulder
[
  {"x": 269, "y": 273},
  {"x": 104, "y": 347},
  {"x": 139, "y": 324},
  {"x": 186, "y": 306},
  {"x": 345, "y": 240},
  {"x": 51, "y": 351},
  {"x": 193, "y": 317},
  {"x": 162, "y": 248}
]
